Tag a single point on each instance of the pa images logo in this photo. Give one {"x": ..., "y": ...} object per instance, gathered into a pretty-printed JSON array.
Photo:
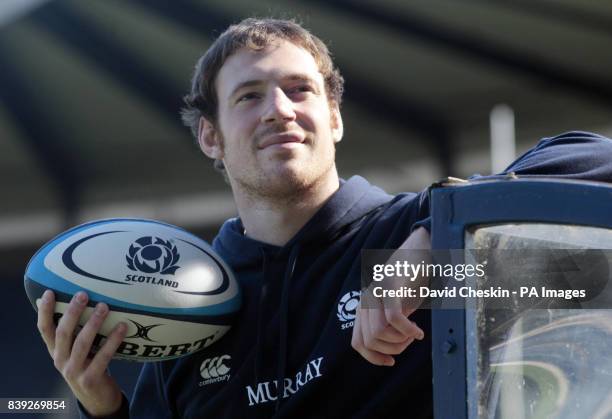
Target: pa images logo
[
  {"x": 347, "y": 308},
  {"x": 152, "y": 255}
]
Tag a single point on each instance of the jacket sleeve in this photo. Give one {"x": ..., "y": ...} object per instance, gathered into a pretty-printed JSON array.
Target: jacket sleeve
[
  {"x": 148, "y": 401},
  {"x": 572, "y": 155},
  {"x": 150, "y": 394},
  {"x": 122, "y": 413}
]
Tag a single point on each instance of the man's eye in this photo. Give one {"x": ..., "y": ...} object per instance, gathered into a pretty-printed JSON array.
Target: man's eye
[
  {"x": 247, "y": 96},
  {"x": 302, "y": 89}
]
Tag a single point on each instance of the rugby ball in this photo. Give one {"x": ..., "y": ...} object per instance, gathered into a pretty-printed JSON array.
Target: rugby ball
[{"x": 173, "y": 291}]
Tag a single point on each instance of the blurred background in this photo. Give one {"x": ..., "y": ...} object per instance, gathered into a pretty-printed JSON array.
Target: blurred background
[{"x": 90, "y": 93}]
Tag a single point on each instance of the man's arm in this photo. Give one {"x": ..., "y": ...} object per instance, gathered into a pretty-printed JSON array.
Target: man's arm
[
  {"x": 571, "y": 155},
  {"x": 383, "y": 331}
]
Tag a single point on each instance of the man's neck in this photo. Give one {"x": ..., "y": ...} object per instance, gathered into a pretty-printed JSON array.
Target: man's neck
[{"x": 276, "y": 221}]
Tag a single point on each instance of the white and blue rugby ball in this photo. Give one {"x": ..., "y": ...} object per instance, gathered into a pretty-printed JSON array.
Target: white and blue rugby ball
[{"x": 171, "y": 288}]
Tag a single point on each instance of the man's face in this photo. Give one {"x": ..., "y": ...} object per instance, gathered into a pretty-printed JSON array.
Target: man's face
[{"x": 276, "y": 130}]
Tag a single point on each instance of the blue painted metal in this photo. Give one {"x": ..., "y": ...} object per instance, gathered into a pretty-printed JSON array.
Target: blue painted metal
[{"x": 455, "y": 208}]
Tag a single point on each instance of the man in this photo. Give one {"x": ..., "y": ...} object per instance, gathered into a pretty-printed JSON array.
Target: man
[{"x": 265, "y": 105}]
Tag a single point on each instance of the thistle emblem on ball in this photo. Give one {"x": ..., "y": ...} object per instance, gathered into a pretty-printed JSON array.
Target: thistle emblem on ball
[{"x": 153, "y": 255}]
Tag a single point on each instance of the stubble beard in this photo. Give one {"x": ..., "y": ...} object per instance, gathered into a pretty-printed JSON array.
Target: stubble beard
[{"x": 287, "y": 187}]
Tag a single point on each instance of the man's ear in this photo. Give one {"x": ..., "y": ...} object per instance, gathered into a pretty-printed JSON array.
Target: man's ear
[
  {"x": 210, "y": 140},
  {"x": 336, "y": 123}
]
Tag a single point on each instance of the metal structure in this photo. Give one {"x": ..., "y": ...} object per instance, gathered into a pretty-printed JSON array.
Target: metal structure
[
  {"x": 458, "y": 212},
  {"x": 91, "y": 92}
]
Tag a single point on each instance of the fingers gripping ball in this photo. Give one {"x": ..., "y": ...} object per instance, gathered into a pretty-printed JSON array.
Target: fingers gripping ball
[{"x": 169, "y": 287}]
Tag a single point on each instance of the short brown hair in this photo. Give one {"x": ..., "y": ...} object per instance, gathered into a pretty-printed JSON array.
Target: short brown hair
[{"x": 255, "y": 34}]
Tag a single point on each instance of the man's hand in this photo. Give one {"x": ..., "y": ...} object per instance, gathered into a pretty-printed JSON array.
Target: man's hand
[
  {"x": 97, "y": 391},
  {"x": 384, "y": 330},
  {"x": 380, "y": 333}
]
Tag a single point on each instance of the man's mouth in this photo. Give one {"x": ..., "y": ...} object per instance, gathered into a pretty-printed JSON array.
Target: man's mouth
[{"x": 289, "y": 138}]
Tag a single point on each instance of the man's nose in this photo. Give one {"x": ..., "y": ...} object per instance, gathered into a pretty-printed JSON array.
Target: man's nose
[{"x": 279, "y": 108}]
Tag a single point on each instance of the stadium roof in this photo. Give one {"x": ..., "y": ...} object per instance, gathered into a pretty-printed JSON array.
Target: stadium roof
[{"x": 91, "y": 91}]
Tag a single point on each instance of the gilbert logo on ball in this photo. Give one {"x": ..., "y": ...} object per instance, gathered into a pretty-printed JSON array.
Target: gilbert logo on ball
[{"x": 171, "y": 288}]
